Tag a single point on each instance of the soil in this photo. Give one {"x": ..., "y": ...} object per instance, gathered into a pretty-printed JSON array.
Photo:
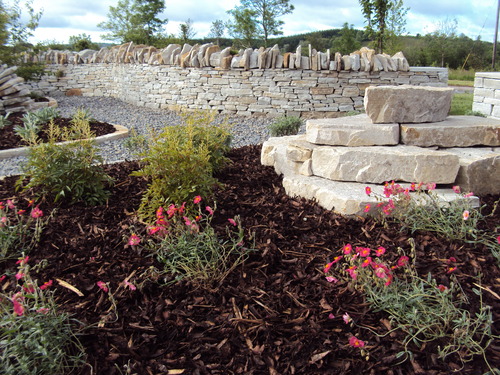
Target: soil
[
  {"x": 270, "y": 315},
  {"x": 9, "y": 139}
]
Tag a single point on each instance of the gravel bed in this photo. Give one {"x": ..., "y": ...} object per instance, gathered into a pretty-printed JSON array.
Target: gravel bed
[{"x": 247, "y": 130}]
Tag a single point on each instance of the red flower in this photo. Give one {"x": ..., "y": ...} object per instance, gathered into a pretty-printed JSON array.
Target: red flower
[
  {"x": 347, "y": 249},
  {"x": 380, "y": 251},
  {"x": 367, "y": 208},
  {"x": 23, "y": 261},
  {"x": 355, "y": 342},
  {"x": 366, "y": 262},
  {"x": 498, "y": 239},
  {"x": 103, "y": 286},
  {"x": 134, "y": 240},
  {"x": 46, "y": 285},
  {"x": 403, "y": 261},
  {"x": 232, "y": 222},
  {"x": 197, "y": 199},
  {"x": 451, "y": 269},
  {"x": 18, "y": 306},
  {"x": 327, "y": 267},
  {"x": 441, "y": 287},
  {"x": 368, "y": 190},
  {"x": 364, "y": 251}
]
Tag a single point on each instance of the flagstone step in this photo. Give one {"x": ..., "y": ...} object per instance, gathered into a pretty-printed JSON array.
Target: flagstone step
[{"x": 455, "y": 131}]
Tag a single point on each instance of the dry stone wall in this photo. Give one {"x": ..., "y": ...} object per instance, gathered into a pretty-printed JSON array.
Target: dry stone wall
[
  {"x": 267, "y": 91},
  {"x": 487, "y": 94}
]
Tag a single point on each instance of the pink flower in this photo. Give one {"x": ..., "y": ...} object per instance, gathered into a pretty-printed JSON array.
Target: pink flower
[
  {"x": 23, "y": 261},
  {"x": 19, "y": 275},
  {"x": 456, "y": 189},
  {"x": 352, "y": 272},
  {"x": 366, "y": 262},
  {"x": 197, "y": 199},
  {"x": 368, "y": 190},
  {"x": 347, "y": 318},
  {"x": 452, "y": 260},
  {"x": 43, "y": 310},
  {"x": 331, "y": 316},
  {"x": 28, "y": 288},
  {"x": 46, "y": 285},
  {"x": 451, "y": 269},
  {"x": 186, "y": 220},
  {"x": 18, "y": 306},
  {"x": 103, "y": 286},
  {"x": 182, "y": 208},
  {"x": 380, "y": 251},
  {"x": 171, "y": 211},
  {"x": 364, "y": 251},
  {"x": 380, "y": 272},
  {"x": 134, "y": 240},
  {"x": 498, "y": 239},
  {"x": 3, "y": 221},
  {"x": 403, "y": 261},
  {"x": 129, "y": 285},
  {"x": 466, "y": 215},
  {"x": 347, "y": 249},
  {"x": 331, "y": 279},
  {"x": 2, "y": 278},
  {"x": 21, "y": 212},
  {"x": 367, "y": 208},
  {"x": 441, "y": 287},
  {"x": 36, "y": 213},
  {"x": 468, "y": 195},
  {"x": 209, "y": 210},
  {"x": 159, "y": 213},
  {"x": 327, "y": 267},
  {"x": 355, "y": 342},
  {"x": 152, "y": 230},
  {"x": 431, "y": 186},
  {"x": 232, "y": 222},
  {"x": 10, "y": 204},
  {"x": 337, "y": 259}
]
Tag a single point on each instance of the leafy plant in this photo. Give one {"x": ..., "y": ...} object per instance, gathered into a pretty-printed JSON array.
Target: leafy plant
[
  {"x": 19, "y": 231},
  {"x": 69, "y": 171},
  {"x": 35, "y": 338},
  {"x": 180, "y": 161},
  {"x": 30, "y": 128},
  {"x": 285, "y": 126},
  {"x": 4, "y": 121},
  {"x": 188, "y": 248},
  {"x": 46, "y": 114},
  {"x": 421, "y": 309}
]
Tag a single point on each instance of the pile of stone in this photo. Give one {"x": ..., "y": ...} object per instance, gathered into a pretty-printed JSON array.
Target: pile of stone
[
  {"x": 210, "y": 55},
  {"x": 405, "y": 136},
  {"x": 14, "y": 93}
]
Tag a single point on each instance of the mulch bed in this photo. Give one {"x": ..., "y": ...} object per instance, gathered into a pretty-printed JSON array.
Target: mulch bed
[
  {"x": 9, "y": 139},
  {"x": 271, "y": 315}
]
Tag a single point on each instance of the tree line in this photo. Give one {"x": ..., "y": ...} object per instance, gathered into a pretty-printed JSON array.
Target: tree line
[{"x": 252, "y": 23}]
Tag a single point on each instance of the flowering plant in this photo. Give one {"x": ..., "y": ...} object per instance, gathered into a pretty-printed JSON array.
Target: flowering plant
[
  {"x": 189, "y": 248},
  {"x": 34, "y": 336},
  {"x": 19, "y": 230}
]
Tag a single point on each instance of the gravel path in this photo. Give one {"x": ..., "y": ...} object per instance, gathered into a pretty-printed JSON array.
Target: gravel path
[{"x": 247, "y": 129}]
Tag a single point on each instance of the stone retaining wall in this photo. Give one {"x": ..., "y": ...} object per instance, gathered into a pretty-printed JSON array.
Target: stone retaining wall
[
  {"x": 272, "y": 92},
  {"x": 487, "y": 94}
]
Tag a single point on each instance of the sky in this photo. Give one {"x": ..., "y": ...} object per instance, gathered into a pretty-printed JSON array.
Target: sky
[{"x": 64, "y": 18}]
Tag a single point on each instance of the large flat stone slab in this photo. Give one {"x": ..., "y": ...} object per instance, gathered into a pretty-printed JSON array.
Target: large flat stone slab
[
  {"x": 407, "y": 104},
  {"x": 351, "y": 131},
  {"x": 348, "y": 198},
  {"x": 455, "y": 131},
  {"x": 377, "y": 164},
  {"x": 275, "y": 153},
  {"x": 479, "y": 170}
]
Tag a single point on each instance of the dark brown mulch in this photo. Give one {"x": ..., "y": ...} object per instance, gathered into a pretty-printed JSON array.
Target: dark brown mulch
[
  {"x": 9, "y": 139},
  {"x": 271, "y": 315}
]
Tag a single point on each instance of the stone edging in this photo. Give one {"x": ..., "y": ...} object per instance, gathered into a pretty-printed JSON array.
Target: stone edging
[{"x": 120, "y": 132}]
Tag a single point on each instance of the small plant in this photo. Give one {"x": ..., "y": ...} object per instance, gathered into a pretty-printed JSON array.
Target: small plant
[
  {"x": 136, "y": 143},
  {"x": 188, "y": 248},
  {"x": 180, "y": 161},
  {"x": 69, "y": 171},
  {"x": 423, "y": 310},
  {"x": 59, "y": 73},
  {"x": 35, "y": 338},
  {"x": 474, "y": 113},
  {"x": 30, "y": 128},
  {"x": 4, "y": 121},
  {"x": 285, "y": 126},
  {"x": 46, "y": 114},
  {"x": 19, "y": 230}
]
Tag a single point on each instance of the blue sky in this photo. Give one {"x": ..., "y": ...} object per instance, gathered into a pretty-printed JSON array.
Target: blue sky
[{"x": 63, "y": 18}]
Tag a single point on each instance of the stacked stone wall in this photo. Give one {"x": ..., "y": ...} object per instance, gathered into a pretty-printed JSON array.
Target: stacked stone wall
[
  {"x": 487, "y": 94},
  {"x": 272, "y": 92}
]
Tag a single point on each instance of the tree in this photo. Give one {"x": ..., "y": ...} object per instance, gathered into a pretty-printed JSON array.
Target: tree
[
  {"x": 186, "y": 31},
  {"x": 384, "y": 18},
  {"x": 263, "y": 14},
  {"x": 347, "y": 42},
  {"x": 81, "y": 42},
  {"x": 441, "y": 40},
  {"x": 135, "y": 21},
  {"x": 217, "y": 30},
  {"x": 243, "y": 27}
]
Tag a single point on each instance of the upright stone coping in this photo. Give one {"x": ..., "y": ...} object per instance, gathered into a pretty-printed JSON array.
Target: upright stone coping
[
  {"x": 486, "y": 98},
  {"x": 407, "y": 104},
  {"x": 377, "y": 164},
  {"x": 351, "y": 131},
  {"x": 455, "y": 131}
]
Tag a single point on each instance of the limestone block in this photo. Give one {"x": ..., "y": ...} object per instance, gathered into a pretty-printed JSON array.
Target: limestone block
[
  {"x": 351, "y": 131},
  {"x": 347, "y": 62},
  {"x": 355, "y": 62},
  {"x": 377, "y": 164},
  {"x": 208, "y": 53},
  {"x": 274, "y": 154},
  {"x": 254, "y": 59},
  {"x": 201, "y": 54},
  {"x": 215, "y": 59},
  {"x": 298, "y": 57},
  {"x": 455, "y": 131},
  {"x": 299, "y": 150},
  {"x": 407, "y": 104},
  {"x": 286, "y": 59},
  {"x": 324, "y": 60},
  {"x": 479, "y": 170}
]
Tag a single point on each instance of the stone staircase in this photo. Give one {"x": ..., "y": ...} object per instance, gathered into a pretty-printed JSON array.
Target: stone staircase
[{"x": 336, "y": 159}]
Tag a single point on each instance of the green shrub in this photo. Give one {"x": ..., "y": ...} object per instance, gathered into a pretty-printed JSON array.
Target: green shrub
[
  {"x": 4, "y": 121},
  {"x": 70, "y": 171},
  {"x": 285, "y": 126},
  {"x": 180, "y": 161},
  {"x": 35, "y": 338}
]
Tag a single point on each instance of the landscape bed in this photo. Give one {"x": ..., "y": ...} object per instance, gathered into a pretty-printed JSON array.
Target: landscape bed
[{"x": 275, "y": 314}]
